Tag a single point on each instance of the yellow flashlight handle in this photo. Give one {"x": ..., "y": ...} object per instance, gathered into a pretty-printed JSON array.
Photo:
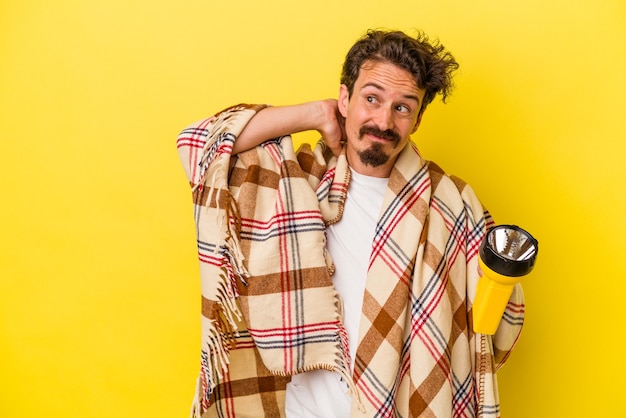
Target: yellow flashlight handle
[{"x": 492, "y": 295}]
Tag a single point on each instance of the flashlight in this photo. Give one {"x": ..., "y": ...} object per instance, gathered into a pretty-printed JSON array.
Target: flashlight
[{"x": 507, "y": 253}]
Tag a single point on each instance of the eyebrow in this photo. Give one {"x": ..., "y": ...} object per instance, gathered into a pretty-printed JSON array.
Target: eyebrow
[{"x": 379, "y": 87}]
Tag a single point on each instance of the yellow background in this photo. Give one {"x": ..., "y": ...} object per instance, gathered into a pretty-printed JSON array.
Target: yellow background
[{"x": 99, "y": 296}]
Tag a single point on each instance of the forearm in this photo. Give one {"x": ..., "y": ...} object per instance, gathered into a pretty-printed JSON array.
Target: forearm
[{"x": 273, "y": 122}]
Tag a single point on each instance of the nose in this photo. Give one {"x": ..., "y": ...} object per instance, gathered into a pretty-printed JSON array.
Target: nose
[{"x": 384, "y": 118}]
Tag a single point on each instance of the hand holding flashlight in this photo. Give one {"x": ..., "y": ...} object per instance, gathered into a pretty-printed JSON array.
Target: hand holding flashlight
[{"x": 506, "y": 255}]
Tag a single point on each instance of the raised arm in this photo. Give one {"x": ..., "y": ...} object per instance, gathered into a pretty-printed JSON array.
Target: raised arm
[{"x": 272, "y": 122}]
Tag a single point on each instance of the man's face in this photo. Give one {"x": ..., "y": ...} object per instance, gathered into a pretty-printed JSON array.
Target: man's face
[{"x": 380, "y": 115}]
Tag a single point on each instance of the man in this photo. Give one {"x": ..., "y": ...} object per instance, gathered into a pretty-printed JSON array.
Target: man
[{"x": 338, "y": 282}]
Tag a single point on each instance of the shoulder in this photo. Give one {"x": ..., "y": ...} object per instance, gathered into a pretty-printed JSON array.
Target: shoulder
[
  {"x": 440, "y": 178},
  {"x": 452, "y": 191}
]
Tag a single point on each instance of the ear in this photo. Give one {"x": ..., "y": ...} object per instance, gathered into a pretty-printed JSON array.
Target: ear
[
  {"x": 417, "y": 122},
  {"x": 342, "y": 102}
]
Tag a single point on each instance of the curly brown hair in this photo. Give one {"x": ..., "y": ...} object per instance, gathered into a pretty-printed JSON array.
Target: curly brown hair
[{"x": 428, "y": 61}]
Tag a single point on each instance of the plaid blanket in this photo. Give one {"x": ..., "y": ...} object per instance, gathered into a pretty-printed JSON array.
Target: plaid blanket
[{"x": 269, "y": 309}]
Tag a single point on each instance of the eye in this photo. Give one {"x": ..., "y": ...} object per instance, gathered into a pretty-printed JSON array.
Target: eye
[
  {"x": 371, "y": 99},
  {"x": 403, "y": 108}
]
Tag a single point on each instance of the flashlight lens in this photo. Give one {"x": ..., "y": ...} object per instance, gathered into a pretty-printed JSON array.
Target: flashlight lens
[
  {"x": 512, "y": 244},
  {"x": 509, "y": 250}
]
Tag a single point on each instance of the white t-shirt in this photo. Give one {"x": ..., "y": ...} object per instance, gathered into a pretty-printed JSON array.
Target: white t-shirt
[{"x": 322, "y": 393}]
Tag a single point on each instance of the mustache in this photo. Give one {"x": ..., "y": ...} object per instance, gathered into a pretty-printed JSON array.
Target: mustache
[{"x": 373, "y": 130}]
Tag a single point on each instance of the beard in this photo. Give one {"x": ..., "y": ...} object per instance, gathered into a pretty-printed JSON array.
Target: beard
[{"x": 375, "y": 155}]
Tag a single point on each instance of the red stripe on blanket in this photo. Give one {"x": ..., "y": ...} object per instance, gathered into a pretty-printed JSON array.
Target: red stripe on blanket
[
  {"x": 401, "y": 211},
  {"x": 298, "y": 329},
  {"x": 280, "y": 218}
]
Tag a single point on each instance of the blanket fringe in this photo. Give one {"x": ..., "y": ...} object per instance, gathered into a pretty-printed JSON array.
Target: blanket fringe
[
  {"x": 346, "y": 373},
  {"x": 352, "y": 389},
  {"x": 219, "y": 336},
  {"x": 222, "y": 325},
  {"x": 213, "y": 363}
]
